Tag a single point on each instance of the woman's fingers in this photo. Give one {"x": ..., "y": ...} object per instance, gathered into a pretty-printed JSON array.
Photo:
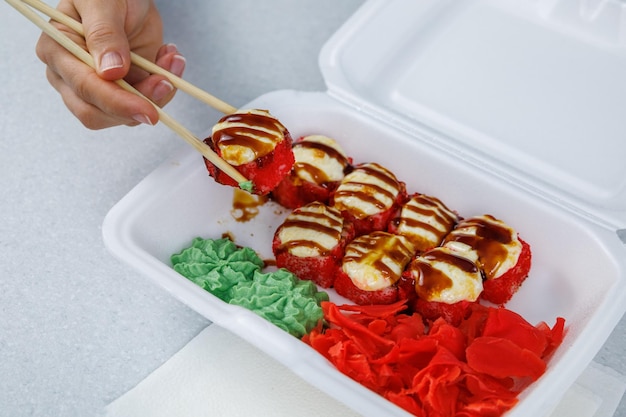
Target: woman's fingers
[
  {"x": 89, "y": 115},
  {"x": 106, "y": 38},
  {"x": 158, "y": 88},
  {"x": 113, "y": 28},
  {"x": 100, "y": 103},
  {"x": 96, "y": 102}
]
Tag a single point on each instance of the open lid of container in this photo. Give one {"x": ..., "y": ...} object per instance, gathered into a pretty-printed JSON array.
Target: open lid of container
[{"x": 531, "y": 90}]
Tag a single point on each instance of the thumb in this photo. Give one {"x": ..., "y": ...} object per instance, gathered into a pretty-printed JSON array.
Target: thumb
[{"x": 103, "y": 24}]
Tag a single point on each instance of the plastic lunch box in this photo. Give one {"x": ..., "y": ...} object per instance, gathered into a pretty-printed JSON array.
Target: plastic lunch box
[{"x": 507, "y": 107}]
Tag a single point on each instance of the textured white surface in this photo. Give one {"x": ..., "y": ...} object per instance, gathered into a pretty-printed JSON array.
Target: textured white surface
[{"x": 77, "y": 328}]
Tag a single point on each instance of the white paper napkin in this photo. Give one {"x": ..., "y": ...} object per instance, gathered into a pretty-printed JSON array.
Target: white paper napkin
[
  {"x": 596, "y": 393},
  {"x": 219, "y": 374}
]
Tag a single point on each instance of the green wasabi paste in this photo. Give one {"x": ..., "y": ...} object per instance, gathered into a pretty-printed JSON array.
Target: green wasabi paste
[
  {"x": 234, "y": 274},
  {"x": 216, "y": 265},
  {"x": 283, "y": 299}
]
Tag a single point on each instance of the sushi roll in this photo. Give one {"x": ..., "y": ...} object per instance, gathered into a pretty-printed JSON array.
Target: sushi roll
[
  {"x": 371, "y": 267},
  {"x": 320, "y": 164},
  {"x": 369, "y": 196},
  {"x": 443, "y": 282},
  {"x": 424, "y": 220},
  {"x": 256, "y": 144},
  {"x": 310, "y": 243},
  {"x": 504, "y": 258}
]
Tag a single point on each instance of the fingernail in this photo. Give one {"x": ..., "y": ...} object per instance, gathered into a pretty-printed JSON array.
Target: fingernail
[
  {"x": 178, "y": 65},
  {"x": 171, "y": 47},
  {"x": 111, "y": 60},
  {"x": 162, "y": 89},
  {"x": 142, "y": 118}
]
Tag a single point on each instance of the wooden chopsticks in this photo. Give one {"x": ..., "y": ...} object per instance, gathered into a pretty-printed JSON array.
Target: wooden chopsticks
[{"x": 84, "y": 56}]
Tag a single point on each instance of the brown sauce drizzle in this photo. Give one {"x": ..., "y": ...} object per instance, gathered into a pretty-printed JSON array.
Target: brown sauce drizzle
[
  {"x": 430, "y": 281},
  {"x": 257, "y": 124},
  {"x": 312, "y": 220},
  {"x": 324, "y": 149},
  {"x": 489, "y": 228},
  {"x": 380, "y": 173},
  {"x": 450, "y": 258},
  {"x": 314, "y": 226},
  {"x": 264, "y": 121},
  {"x": 439, "y": 210},
  {"x": 366, "y": 192},
  {"x": 318, "y": 175},
  {"x": 435, "y": 210},
  {"x": 369, "y": 192},
  {"x": 490, "y": 241},
  {"x": 371, "y": 249},
  {"x": 246, "y": 205},
  {"x": 302, "y": 243},
  {"x": 244, "y": 137}
]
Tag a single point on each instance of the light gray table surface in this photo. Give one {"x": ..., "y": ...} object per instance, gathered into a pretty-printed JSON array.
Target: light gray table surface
[{"x": 78, "y": 328}]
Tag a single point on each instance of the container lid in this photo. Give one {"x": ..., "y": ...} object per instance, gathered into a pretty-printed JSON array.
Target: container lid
[{"x": 532, "y": 90}]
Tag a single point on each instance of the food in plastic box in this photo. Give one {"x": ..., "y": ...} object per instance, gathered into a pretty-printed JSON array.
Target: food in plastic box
[{"x": 506, "y": 108}]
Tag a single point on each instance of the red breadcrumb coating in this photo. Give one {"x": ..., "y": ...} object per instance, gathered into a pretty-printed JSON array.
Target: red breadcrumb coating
[
  {"x": 320, "y": 269},
  {"x": 406, "y": 290},
  {"x": 500, "y": 290},
  {"x": 293, "y": 192},
  {"x": 265, "y": 172},
  {"x": 432, "y": 310},
  {"x": 346, "y": 288},
  {"x": 451, "y": 313},
  {"x": 376, "y": 222}
]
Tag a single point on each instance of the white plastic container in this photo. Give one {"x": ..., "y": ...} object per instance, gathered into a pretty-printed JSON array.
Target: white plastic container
[{"x": 509, "y": 107}]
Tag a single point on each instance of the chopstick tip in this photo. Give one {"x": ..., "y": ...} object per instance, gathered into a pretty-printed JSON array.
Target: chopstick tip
[{"x": 246, "y": 186}]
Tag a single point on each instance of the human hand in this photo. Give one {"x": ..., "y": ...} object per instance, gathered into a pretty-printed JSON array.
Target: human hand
[{"x": 112, "y": 29}]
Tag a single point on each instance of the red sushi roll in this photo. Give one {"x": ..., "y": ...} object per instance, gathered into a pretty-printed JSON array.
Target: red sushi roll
[
  {"x": 371, "y": 267},
  {"x": 256, "y": 144},
  {"x": 320, "y": 164},
  {"x": 504, "y": 258},
  {"x": 446, "y": 282},
  {"x": 369, "y": 196},
  {"x": 310, "y": 243},
  {"x": 424, "y": 221},
  {"x": 500, "y": 289}
]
